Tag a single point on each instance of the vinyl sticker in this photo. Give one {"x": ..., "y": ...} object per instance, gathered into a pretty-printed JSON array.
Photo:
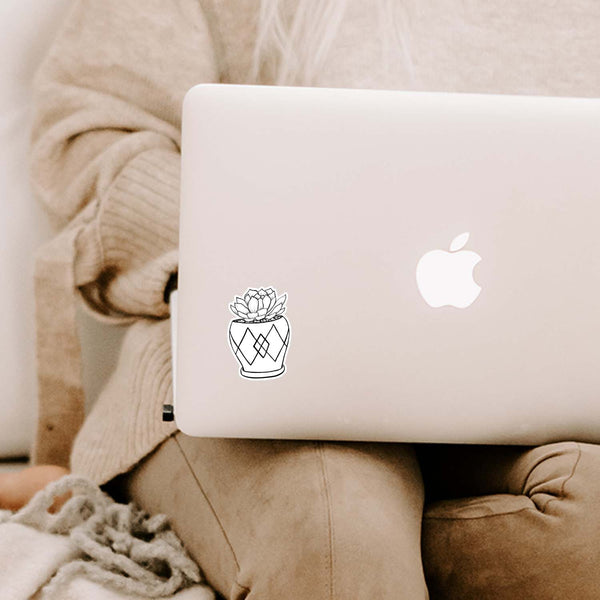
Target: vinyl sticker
[{"x": 260, "y": 335}]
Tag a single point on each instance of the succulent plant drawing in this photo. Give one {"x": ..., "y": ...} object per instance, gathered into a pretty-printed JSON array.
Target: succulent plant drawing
[
  {"x": 258, "y": 305},
  {"x": 259, "y": 336}
]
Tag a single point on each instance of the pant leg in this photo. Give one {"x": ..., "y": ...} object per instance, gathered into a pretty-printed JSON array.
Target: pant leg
[
  {"x": 529, "y": 527},
  {"x": 306, "y": 520}
]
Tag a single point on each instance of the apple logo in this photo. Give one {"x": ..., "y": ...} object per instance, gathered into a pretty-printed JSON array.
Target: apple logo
[{"x": 446, "y": 278}]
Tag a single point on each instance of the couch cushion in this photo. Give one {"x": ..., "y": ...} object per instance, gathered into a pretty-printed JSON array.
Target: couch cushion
[{"x": 27, "y": 28}]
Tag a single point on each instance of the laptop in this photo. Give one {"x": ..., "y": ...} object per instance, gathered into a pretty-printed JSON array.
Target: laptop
[{"x": 388, "y": 265}]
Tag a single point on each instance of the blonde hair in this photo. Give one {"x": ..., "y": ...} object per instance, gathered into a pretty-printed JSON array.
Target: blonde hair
[{"x": 293, "y": 49}]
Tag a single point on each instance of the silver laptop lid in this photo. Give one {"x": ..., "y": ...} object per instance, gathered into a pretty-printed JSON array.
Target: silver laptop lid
[{"x": 373, "y": 265}]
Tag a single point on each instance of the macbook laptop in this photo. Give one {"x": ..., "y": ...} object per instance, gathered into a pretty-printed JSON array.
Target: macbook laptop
[{"x": 388, "y": 265}]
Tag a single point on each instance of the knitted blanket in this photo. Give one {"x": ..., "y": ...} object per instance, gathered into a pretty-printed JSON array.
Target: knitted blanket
[{"x": 92, "y": 548}]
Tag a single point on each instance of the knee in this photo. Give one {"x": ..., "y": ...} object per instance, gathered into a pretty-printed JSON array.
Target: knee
[
  {"x": 563, "y": 481},
  {"x": 347, "y": 525},
  {"x": 548, "y": 473}
]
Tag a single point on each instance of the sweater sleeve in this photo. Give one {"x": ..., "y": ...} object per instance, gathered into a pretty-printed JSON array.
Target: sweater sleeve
[{"x": 106, "y": 138}]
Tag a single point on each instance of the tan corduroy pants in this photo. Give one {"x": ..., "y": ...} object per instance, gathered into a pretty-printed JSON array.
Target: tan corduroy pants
[{"x": 303, "y": 520}]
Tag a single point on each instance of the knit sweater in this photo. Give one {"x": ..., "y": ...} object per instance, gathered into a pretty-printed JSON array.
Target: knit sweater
[{"x": 105, "y": 162}]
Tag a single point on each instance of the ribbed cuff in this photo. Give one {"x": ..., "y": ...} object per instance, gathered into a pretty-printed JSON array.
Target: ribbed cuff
[{"x": 128, "y": 252}]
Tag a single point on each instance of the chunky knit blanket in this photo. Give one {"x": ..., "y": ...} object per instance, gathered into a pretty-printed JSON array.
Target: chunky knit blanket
[{"x": 92, "y": 548}]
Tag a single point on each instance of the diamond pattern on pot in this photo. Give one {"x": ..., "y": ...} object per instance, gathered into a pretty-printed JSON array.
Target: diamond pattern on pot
[
  {"x": 247, "y": 346},
  {"x": 276, "y": 342},
  {"x": 261, "y": 345}
]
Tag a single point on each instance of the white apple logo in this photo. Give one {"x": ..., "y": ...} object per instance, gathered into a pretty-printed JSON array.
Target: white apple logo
[{"x": 446, "y": 278}]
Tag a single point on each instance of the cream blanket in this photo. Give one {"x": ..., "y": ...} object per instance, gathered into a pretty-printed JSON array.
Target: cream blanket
[{"x": 92, "y": 548}]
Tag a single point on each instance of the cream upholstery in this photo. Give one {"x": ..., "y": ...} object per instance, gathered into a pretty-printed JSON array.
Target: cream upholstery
[{"x": 27, "y": 29}]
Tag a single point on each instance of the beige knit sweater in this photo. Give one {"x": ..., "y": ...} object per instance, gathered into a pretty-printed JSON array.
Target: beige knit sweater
[{"x": 106, "y": 164}]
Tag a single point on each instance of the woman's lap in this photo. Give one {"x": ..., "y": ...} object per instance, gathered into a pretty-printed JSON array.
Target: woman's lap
[
  {"x": 281, "y": 519},
  {"x": 333, "y": 520}
]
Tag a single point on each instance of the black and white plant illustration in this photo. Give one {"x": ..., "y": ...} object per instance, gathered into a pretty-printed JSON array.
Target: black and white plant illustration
[{"x": 260, "y": 335}]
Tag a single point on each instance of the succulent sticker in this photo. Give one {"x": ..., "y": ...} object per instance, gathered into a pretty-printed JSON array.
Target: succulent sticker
[{"x": 259, "y": 336}]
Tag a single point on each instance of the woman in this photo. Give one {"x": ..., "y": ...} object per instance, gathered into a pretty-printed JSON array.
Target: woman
[{"x": 276, "y": 519}]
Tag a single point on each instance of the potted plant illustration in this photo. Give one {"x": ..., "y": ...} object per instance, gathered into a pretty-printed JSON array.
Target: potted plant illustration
[{"x": 259, "y": 337}]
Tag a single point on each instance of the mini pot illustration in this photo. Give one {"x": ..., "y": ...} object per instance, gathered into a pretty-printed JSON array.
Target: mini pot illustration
[{"x": 260, "y": 335}]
